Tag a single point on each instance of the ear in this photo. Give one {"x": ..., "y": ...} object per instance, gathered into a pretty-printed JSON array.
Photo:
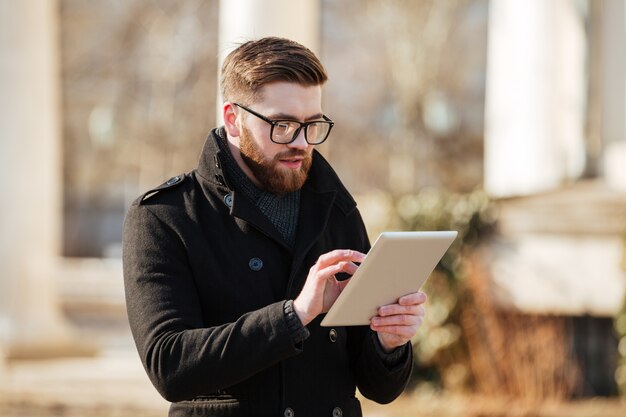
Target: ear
[{"x": 230, "y": 119}]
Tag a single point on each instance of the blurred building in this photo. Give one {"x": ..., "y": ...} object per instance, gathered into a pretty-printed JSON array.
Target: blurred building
[
  {"x": 104, "y": 100},
  {"x": 555, "y": 155}
]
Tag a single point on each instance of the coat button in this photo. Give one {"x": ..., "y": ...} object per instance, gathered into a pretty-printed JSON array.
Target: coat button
[
  {"x": 173, "y": 180},
  {"x": 289, "y": 412},
  {"x": 228, "y": 200},
  {"x": 255, "y": 264},
  {"x": 332, "y": 335},
  {"x": 337, "y": 412}
]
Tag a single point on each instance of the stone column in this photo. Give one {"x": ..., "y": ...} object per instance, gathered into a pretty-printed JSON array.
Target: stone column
[
  {"x": 535, "y": 96},
  {"x": 242, "y": 20},
  {"x": 31, "y": 324},
  {"x": 613, "y": 92}
]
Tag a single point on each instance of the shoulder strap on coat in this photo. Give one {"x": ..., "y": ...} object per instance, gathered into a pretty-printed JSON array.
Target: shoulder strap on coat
[{"x": 171, "y": 183}]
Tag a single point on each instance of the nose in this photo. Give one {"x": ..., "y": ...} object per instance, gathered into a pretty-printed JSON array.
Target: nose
[{"x": 300, "y": 141}]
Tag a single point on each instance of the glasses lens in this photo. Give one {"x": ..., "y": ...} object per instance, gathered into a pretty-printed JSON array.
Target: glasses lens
[
  {"x": 316, "y": 132},
  {"x": 283, "y": 131}
]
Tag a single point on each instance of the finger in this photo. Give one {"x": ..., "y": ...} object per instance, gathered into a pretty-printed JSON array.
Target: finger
[
  {"x": 413, "y": 298},
  {"x": 330, "y": 271},
  {"x": 406, "y": 325},
  {"x": 403, "y": 332},
  {"x": 398, "y": 320},
  {"x": 394, "y": 309},
  {"x": 339, "y": 255},
  {"x": 342, "y": 284},
  {"x": 421, "y": 311},
  {"x": 349, "y": 267}
]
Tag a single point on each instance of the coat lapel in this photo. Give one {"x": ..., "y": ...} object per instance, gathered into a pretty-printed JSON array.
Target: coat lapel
[
  {"x": 315, "y": 209},
  {"x": 245, "y": 210},
  {"x": 211, "y": 170}
]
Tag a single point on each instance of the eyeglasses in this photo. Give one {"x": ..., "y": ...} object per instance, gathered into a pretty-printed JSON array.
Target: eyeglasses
[{"x": 286, "y": 131}]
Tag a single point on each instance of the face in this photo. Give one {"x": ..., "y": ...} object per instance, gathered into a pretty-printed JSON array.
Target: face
[{"x": 278, "y": 168}]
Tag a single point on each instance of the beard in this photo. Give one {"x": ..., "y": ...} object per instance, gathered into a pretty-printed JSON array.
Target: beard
[{"x": 273, "y": 177}]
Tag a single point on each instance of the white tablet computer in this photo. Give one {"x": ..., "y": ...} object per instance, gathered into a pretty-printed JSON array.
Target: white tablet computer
[{"x": 397, "y": 264}]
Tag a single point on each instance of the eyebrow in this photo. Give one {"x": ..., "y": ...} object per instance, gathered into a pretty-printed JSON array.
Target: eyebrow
[{"x": 285, "y": 116}]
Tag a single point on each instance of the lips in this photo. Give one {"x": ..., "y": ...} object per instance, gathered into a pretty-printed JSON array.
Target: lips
[
  {"x": 291, "y": 163},
  {"x": 292, "y": 159}
]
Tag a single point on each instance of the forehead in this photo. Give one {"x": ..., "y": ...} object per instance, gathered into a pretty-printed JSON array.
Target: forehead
[{"x": 284, "y": 98}]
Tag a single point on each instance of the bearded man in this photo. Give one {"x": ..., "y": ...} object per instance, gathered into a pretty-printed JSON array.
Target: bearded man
[{"x": 230, "y": 268}]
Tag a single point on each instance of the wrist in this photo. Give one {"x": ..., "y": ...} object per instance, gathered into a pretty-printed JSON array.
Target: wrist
[
  {"x": 384, "y": 347},
  {"x": 298, "y": 330},
  {"x": 301, "y": 313}
]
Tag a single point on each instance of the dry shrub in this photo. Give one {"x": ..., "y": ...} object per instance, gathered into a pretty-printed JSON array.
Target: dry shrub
[{"x": 514, "y": 354}]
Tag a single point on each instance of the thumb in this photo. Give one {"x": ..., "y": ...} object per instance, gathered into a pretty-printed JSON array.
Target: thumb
[{"x": 342, "y": 284}]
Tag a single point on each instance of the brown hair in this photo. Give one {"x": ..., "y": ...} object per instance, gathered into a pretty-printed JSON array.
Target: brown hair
[{"x": 257, "y": 63}]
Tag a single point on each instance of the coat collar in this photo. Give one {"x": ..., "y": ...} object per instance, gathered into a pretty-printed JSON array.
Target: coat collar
[
  {"x": 322, "y": 177},
  {"x": 210, "y": 166},
  {"x": 321, "y": 190}
]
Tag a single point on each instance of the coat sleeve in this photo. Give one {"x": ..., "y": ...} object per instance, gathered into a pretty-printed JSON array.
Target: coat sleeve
[
  {"x": 182, "y": 358},
  {"x": 376, "y": 378}
]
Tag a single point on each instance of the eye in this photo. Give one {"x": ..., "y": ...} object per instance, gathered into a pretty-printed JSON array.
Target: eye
[
  {"x": 285, "y": 128},
  {"x": 313, "y": 130},
  {"x": 281, "y": 128}
]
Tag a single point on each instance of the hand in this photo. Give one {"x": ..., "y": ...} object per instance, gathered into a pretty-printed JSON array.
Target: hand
[
  {"x": 397, "y": 323},
  {"x": 321, "y": 288}
]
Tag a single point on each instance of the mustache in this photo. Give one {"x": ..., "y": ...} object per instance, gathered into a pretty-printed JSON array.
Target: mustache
[{"x": 292, "y": 153}]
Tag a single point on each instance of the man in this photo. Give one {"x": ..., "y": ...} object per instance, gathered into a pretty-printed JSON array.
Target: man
[{"x": 229, "y": 269}]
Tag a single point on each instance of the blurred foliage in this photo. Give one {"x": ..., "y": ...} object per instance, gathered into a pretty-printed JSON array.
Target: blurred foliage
[
  {"x": 440, "y": 352},
  {"x": 620, "y": 329}
]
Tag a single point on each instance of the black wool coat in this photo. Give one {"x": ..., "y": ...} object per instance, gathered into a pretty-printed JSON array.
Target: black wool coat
[{"x": 207, "y": 277}]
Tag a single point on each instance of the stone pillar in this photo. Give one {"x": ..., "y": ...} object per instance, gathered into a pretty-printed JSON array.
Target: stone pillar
[
  {"x": 31, "y": 324},
  {"x": 613, "y": 92},
  {"x": 535, "y": 96},
  {"x": 242, "y": 20}
]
